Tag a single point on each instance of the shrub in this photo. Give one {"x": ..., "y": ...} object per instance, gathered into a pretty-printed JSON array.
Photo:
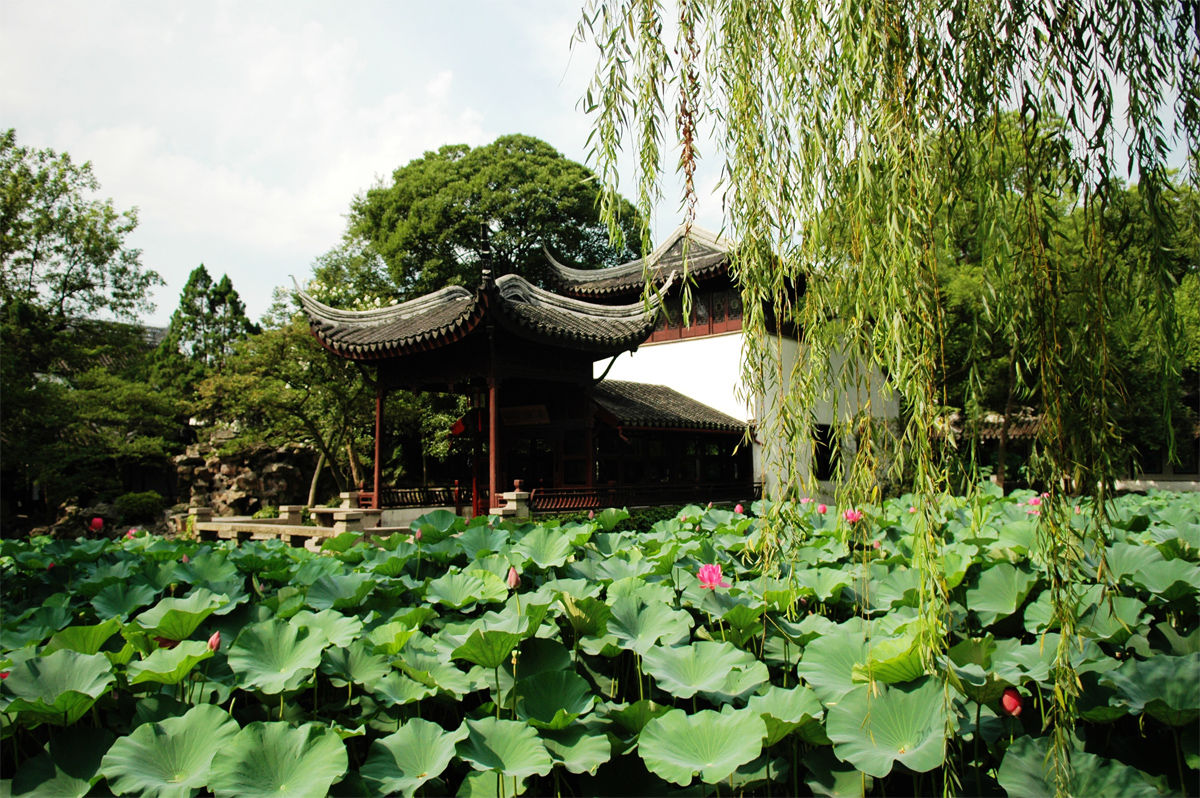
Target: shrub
[
  {"x": 145, "y": 506},
  {"x": 270, "y": 511}
]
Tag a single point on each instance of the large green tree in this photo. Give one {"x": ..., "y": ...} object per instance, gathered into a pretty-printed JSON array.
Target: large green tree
[
  {"x": 448, "y": 213},
  {"x": 868, "y": 108},
  {"x": 209, "y": 321},
  {"x": 74, "y": 409}
]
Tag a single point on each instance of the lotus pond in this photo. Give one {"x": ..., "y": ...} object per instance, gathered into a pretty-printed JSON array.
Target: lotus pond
[{"x": 409, "y": 665}]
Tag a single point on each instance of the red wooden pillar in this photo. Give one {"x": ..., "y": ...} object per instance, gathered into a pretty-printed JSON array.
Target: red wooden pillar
[
  {"x": 376, "y": 499},
  {"x": 493, "y": 443}
]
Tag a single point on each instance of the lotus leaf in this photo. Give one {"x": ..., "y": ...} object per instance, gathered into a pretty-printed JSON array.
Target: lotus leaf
[
  {"x": 177, "y": 618},
  {"x": 390, "y": 638},
  {"x": 553, "y": 699},
  {"x": 488, "y": 649},
  {"x": 398, "y": 690},
  {"x": 172, "y": 757},
  {"x": 274, "y": 656},
  {"x": 505, "y": 746},
  {"x": 825, "y": 583},
  {"x": 57, "y": 688},
  {"x": 483, "y": 540},
  {"x": 639, "y": 626},
  {"x": 874, "y": 732},
  {"x": 338, "y": 629},
  {"x": 1026, "y": 771},
  {"x": 548, "y": 548},
  {"x": 437, "y": 525},
  {"x": 169, "y": 665},
  {"x": 704, "y": 667},
  {"x": 608, "y": 518},
  {"x": 785, "y": 710},
  {"x": 1002, "y": 589},
  {"x": 828, "y": 662},
  {"x": 834, "y": 779},
  {"x": 277, "y": 759},
  {"x": 84, "y": 639},
  {"x": 580, "y": 748},
  {"x": 340, "y": 591},
  {"x": 1166, "y": 687},
  {"x": 68, "y": 769},
  {"x": 418, "y": 752},
  {"x": 462, "y": 590},
  {"x": 354, "y": 663},
  {"x": 677, "y": 746},
  {"x": 430, "y": 669}
]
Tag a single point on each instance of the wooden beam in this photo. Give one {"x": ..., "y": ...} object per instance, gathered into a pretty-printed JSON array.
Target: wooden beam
[
  {"x": 377, "y": 498},
  {"x": 493, "y": 442}
]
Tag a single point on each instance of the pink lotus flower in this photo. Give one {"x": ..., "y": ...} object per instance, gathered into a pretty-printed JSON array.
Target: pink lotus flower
[
  {"x": 1034, "y": 501},
  {"x": 710, "y": 577},
  {"x": 1011, "y": 701},
  {"x": 185, "y": 559},
  {"x": 912, "y": 509},
  {"x": 214, "y": 642},
  {"x": 1033, "y": 511},
  {"x": 97, "y": 524},
  {"x": 876, "y": 545},
  {"x": 806, "y": 500},
  {"x": 514, "y": 579},
  {"x": 738, "y": 509},
  {"x": 1045, "y": 494},
  {"x": 852, "y": 516},
  {"x": 129, "y": 535},
  {"x": 821, "y": 509}
]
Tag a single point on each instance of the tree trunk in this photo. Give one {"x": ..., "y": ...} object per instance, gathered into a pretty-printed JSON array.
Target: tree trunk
[
  {"x": 312, "y": 486},
  {"x": 1002, "y": 452},
  {"x": 355, "y": 467}
]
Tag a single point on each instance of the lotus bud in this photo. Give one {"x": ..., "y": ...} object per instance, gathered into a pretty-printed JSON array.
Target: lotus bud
[
  {"x": 822, "y": 509},
  {"x": 97, "y": 524},
  {"x": 214, "y": 642},
  {"x": 514, "y": 579},
  {"x": 417, "y": 535},
  {"x": 1011, "y": 701},
  {"x": 591, "y": 515},
  {"x": 738, "y": 509}
]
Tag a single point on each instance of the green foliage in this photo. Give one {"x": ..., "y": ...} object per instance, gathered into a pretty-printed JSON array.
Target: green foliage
[
  {"x": 850, "y": 136},
  {"x": 139, "y": 507},
  {"x": 210, "y": 320},
  {"x": 449, "y": 213},
  {"x": 589, "y": 675}
]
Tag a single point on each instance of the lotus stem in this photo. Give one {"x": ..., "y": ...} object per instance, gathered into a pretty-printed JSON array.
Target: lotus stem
[{"x": 497, "y": 673}]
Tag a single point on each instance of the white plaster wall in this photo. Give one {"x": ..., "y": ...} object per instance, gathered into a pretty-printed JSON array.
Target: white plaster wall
[
  {"x": 706, "y": 369},
  {"x": 709, "y": 370}
]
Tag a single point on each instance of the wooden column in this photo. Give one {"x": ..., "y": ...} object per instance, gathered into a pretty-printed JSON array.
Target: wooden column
[
  {"x": 377, "y": 498},
  {"x": 493, "y": 443}
]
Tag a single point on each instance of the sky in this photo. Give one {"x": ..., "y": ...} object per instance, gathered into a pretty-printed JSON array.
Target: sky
[{"x": 242, "y": 131}]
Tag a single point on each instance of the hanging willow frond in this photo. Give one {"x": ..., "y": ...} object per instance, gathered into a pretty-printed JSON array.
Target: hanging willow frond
[{"x": 855, "y": 137}]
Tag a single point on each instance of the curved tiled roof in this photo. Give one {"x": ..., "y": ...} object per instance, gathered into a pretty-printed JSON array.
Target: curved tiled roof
[
  {"x": 636, "y": 404},
  {"x": 448, "y": 315},
  {"x": 707, "y": 254}
]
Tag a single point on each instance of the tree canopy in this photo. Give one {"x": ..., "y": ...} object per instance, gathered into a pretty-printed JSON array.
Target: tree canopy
[
  {"x": 61, "y": 250},
  {"x": 209, "y": 320},
  {"x": 449, "y": 212}
]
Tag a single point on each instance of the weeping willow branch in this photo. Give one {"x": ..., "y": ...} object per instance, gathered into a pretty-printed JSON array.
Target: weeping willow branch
[{"x": 863, "y": 144}]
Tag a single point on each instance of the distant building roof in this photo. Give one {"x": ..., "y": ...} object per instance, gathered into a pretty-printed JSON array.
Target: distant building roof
[
  {"x": 638, "y": 405},
  {"x": 707, "y": 255},
  {"x": 451, "y": 314}
]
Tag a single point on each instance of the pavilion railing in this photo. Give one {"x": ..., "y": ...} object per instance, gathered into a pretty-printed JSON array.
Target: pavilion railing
[
  {"x": 547, "y": 500},
  {"x": 456, "y": 496}
]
